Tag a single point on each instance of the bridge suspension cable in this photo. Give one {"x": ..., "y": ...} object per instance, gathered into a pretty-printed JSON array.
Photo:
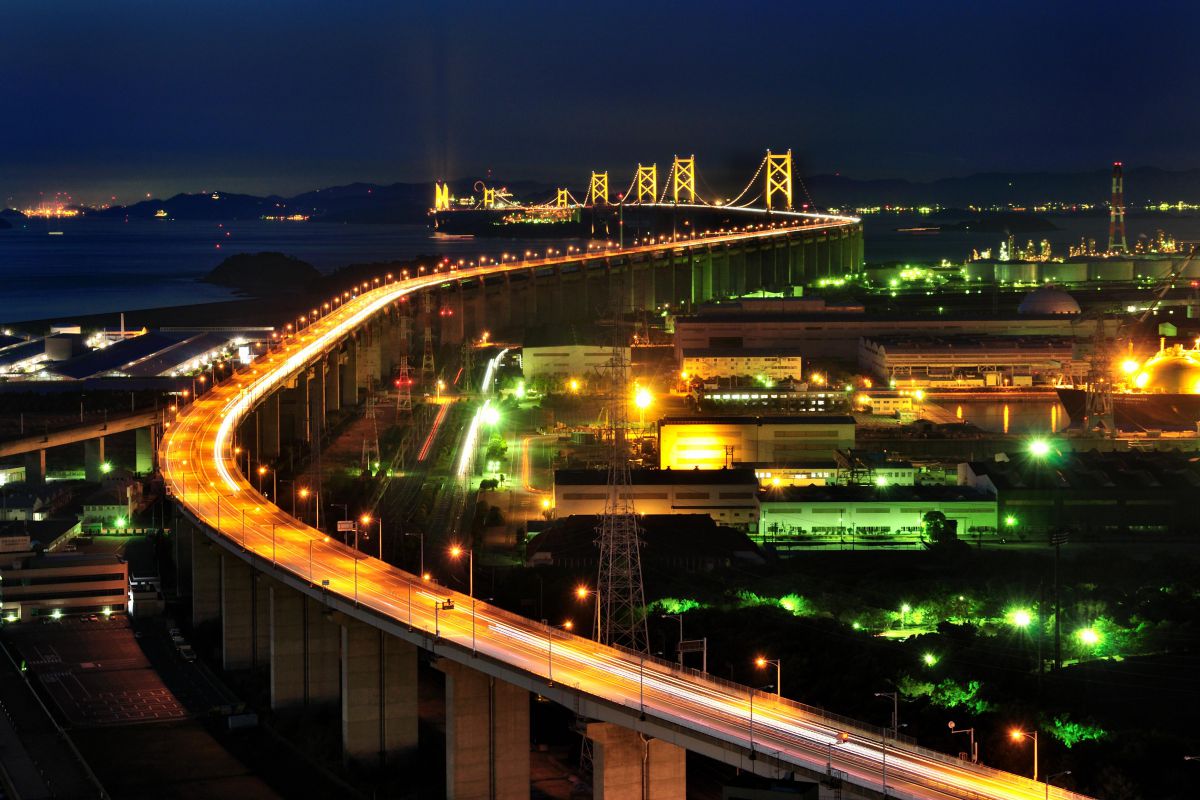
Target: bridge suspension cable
[{"x": 748, "y": 186}]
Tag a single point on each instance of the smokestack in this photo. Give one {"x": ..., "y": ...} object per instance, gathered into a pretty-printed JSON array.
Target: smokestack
[{"x": 1116, "y": 212}]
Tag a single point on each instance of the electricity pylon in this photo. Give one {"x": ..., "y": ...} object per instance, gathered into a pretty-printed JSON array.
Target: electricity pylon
[{"x": 620, "y": 595}]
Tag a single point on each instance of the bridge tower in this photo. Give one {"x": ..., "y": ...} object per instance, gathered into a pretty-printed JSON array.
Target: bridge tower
[
  {"x": 489, "y": 197},
  {"x": 441, "y": 196},
  {"x": 598, "y": 189},
  {"x": 683, "y": 179},
  {"x": 562, "y": 200},
  {"x": 647, "y": 183},
  {"x": 1116, "y": 212},
  {"x": 779, "y": 179},
  {"x": 620, "y": 595},
  {"x": 428, "y": 369}
]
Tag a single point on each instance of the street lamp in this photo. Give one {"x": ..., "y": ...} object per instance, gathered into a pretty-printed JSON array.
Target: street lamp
[
  {"x": 456, "y": 551},
  {"x": 642, "y": 399},
  {"x": 304, "y": 493},
  {"x": 1052, "y": 777},
  {"x": 1020, "y": 734},
  {"x": 366, "y": 520},
  {"x": 262, "y": 470},
  {"x": 762, "y": 662}
]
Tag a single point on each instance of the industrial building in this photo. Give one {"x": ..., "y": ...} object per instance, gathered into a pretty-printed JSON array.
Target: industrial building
[
  {"x": 968, "y": 361},
  {"x": 883, "y": 514},
  {"x": 568, "y": 360},
  {"x": 768, "y": 366},
  {"x": 835, "y": 334},
  {"x": 728, "y": 496},
  {"x": 1091, "y": 493},
  {"x": 50, "y": 584},
  {"x": 775, "y": 398},
  {"x": 712, "y": 442}
]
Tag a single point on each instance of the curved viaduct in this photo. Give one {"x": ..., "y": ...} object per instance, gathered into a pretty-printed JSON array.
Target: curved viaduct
[{"x": 333, "y": 627}]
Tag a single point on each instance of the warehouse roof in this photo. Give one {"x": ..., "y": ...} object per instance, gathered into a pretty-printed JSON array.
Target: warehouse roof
[
  {"x": 658, "y": 477},
  {"x": 779, "y": 419}
]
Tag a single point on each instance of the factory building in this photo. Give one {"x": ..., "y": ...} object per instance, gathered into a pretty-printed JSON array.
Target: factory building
[
  {"x": 770, "y": 366},
  {"x": 709, "y": 443},
  {"x": 48, "y": 584},
  {"x": 836, "y": 335},
  {"x": 878, "y": 515},
  {"x": 1091, "y": 493},
  {"x": 728, "y": 496},
  {"x": 968, "y": 361},
  {"x": 568, "y": 360}
]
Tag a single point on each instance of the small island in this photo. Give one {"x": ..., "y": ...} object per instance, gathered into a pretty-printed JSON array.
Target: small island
[{"x": 260, "y": 273}]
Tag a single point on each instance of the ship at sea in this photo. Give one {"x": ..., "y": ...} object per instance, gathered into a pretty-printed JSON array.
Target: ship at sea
[{"x": 1160, "y": 394}]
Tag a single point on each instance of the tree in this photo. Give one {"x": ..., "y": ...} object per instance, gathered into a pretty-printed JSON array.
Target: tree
[{"x": 938, "y": 531}]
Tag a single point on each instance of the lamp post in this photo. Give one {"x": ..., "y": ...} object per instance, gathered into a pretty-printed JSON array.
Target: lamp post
[
  {"x": 304, "y": 493},
  {"x": 840, "y": 739},
  {"x": 1019, "y": 734},
  {"x": 761, "y": 662},
  {"x": 262, "y": 470},
  {"x": 1052, "y": 777},
  {"x": 456, "y": 552},
  {"x": 366, "y": 520},
  {"x": 895, "y": 698}
]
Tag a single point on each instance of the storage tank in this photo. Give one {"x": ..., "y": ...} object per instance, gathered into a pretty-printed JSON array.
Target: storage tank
[
  {"x": 1064, "y": 271},
  {"x": 1017, "y": 272},
  {"x": 979, "y": 271},
  {"x": 1153, "y": 267},
  {"x": 1111, "y": 269}
]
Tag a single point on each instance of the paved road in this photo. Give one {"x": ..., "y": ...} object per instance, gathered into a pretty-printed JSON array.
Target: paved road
[{"x": 199, "y": 468}]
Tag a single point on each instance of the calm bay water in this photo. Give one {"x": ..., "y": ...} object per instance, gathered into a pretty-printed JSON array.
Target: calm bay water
[
  {"x": 102, "y": 265},
  {"x": 1026, "y": 416}
]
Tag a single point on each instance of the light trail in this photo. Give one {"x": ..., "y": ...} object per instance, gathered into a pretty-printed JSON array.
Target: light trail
[
  {"x": 433, "y": 430},
  {"x": 199, "y": 469}
]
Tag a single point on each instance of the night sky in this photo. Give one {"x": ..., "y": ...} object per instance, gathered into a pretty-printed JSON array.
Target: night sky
[{"x": 127, "y": 98}]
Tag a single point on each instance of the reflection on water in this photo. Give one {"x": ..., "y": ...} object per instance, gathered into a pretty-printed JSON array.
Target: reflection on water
[{"x": 1037, "y": 416}]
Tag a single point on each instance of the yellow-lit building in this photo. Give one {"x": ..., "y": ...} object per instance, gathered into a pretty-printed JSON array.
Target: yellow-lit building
[
  {"x": 712, "y": 363},
  {"x": 717, "y": 442}
]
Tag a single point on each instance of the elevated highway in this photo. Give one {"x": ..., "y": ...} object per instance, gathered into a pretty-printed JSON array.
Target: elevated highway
[{"x": 382, "y": 607}]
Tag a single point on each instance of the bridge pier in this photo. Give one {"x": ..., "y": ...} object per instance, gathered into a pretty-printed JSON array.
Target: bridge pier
[
  {"x": 487, "y": 736},
  {"x": 333, "y": 375},
  {"x": 305, "y": 646},
  {"x": 35, "y": 467},
  {"x": 144, "y": 450},
  {"x": 347, "y": 373},
  {"x": 238, "y": 618},
  {"x": 93, "y": 458},
  {"x": 267, "y": 422},
  {"x": 628, "y": 766},
  {"x": 206, "y": 580},
  {"x": 316, "y": 403},
  {"x": 379, "y": 694}
]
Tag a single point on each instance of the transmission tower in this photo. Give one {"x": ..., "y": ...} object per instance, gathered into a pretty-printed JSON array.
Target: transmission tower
[
  {"x": 404, "y": 378},
  {"x": 370, "y": 447},
  {"x": 621, "y": 597},
  {"x": 1098, "y": 402},
  {"x": 428, "y": 370},
  {"x": 468, "y": 364}
]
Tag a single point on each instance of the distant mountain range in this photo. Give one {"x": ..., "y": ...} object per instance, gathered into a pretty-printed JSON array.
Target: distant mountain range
[{"x": 409, "y": 202}]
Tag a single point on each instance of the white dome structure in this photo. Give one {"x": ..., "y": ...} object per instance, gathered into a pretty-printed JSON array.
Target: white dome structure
[{"x": 1048, "y": 300}]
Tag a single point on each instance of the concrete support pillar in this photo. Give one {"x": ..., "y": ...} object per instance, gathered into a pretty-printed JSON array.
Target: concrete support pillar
[
  {"x": 206, "y": 580},
  {"x": 316, "y": 402},
  {"x": 379, "y": 694},
  {"x": 305, "y": 651},
  {"x": 268, "y": 428},
  {"x": 143, "y": 450},
  {"x": 628, "y": 766},
  {"x": 35, "y": 468},
  {"x": 333, "y": 380},
  {"x": 93, "y": 457},
  {"x": 347, "y": 380},
  {"x": 487, "y": 736},
  {"x": 237, "y": 614}
]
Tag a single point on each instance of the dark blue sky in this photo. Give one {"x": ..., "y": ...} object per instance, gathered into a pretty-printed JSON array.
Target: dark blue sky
[{"x": 125, "y": 98}]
